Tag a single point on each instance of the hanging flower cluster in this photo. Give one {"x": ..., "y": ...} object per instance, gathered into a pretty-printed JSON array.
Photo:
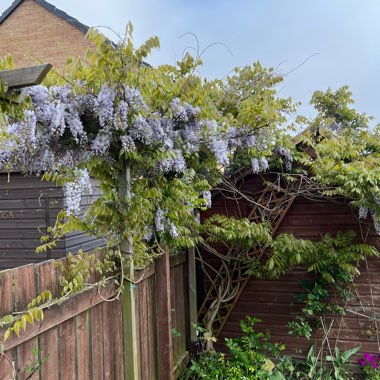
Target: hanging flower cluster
[
  {"x": 176, "y": 151},
  {"x": 75, "y": 189},
  {"x": 52, "y": 134},
  {"x": 65, "y": 129}
]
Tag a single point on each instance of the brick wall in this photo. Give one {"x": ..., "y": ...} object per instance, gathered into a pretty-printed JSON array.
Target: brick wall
[{"x": 34, "y": 35}]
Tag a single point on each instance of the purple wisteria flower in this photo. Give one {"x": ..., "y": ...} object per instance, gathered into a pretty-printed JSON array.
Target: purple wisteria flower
[
  {"x": 206, "y": 195},
  {"x": 75, "y": 190},
  {"x": 134, "y": 98},
  {"x": 105, "y": 104},
  {"x": 363, "y": 212},
  {"x": 255, "y": 165},
  {"x": 287, "y": 156},
  {"x": 173, "y": 232},
  {"x": 263, "y": 163},
  {"x": 121, "y": 116},
  {"x": 159, "y": 220},
  {"x": 176, "y": 163},
  {"x": 141, "y": 130}
]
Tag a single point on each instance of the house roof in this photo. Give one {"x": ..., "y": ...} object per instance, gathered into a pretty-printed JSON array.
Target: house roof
[{"x": 49, "y": 7}]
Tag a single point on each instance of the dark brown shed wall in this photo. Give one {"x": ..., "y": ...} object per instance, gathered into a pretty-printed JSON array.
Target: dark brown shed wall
[
  {"x": 273, "y": 300},
  {"x": 27, "y": 206}
]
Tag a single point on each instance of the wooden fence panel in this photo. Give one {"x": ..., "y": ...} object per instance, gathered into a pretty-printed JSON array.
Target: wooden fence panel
[
  {"x": 180, "y": 309},
  {"x": 83, "y": 336}
]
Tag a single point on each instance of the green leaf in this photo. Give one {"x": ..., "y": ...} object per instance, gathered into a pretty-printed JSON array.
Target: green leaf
[{"x": 6, "y": 334}]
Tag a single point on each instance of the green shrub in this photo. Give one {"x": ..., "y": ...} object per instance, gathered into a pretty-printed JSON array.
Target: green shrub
[
  {"x": 247, "y": 358},
  {"x": 254, "y": 357}
]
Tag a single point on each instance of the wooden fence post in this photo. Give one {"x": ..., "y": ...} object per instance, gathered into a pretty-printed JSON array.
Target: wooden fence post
[{"x": 164, "y": 318}]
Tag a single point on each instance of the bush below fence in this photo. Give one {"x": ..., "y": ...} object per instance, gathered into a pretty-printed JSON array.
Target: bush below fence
[{"x": 83, "y": 336}]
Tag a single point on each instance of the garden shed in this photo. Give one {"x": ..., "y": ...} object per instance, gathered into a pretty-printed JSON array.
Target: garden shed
[
  {"x": 28, "y": 206},
  {"x": 273, "y": 301}
]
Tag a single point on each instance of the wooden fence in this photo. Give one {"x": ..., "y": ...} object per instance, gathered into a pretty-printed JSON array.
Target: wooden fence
[{"x": 83, "y": 336}]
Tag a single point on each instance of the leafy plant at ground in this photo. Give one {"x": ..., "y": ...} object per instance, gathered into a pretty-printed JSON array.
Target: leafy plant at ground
[
  {"x": 254, "y": 357},
  {"x": 370, "y": 365},
  {"x": 335, "y": 366},
  {"x": 248, "y": 358}
]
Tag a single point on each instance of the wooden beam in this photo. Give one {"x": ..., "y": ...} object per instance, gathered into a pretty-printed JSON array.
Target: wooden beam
[
  {"x": 25, "y": 77},
  {"x": 58, "y": 314},
  {"x": 164, "y": 316}
]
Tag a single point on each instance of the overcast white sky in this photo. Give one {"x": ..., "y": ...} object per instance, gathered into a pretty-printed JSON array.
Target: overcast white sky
[{"x": 338, "y": 38}]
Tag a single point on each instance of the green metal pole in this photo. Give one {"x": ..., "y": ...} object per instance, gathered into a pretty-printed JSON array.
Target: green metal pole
[
  {"x": 131, "y": 363},
  {"x": 192, "y": 296}
]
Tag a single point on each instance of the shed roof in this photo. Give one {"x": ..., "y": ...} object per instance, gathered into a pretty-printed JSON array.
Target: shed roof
[{"x": 49, "y": 7}]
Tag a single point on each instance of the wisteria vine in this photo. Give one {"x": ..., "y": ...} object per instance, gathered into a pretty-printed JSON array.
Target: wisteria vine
[{"x": 57, "y": 135}]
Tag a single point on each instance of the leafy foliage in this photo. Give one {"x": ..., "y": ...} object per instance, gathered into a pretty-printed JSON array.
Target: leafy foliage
[
  {"x": 76, "y": 272},
  {"x": 174, "y": 134},
  {"x": 35, "y": 363},
  {"x": 248, "y": 358},
  {"x": 332, "y": 263},
  {"x": 335, "y": 366},
  {"x": 345, "y": 160},
  {"x": 229, "y": 230}
]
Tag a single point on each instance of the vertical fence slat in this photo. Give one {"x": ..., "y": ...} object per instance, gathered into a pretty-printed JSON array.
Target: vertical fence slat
[
  {"x": 67, "y": 350},
  {"x": 6, "y": 296},
  {"x": 192, "y": 297},
  {"x": 143, "y": 329},
  {"x": 83, "y": 349},
  {"x": 164, "y": 311},
  {"x": 184, "y": 313},
  {"x": 25, "y": 288},
  {"x": 6, "y": 307},
  {"x": 108, "y": 344},
  {"x": 97, "y": 342},
  {"x": 151, "y": 317},
  {"x": 118, "y": 339},
  {"x": 6, "y": 369},
  {"x": 173, "y": 293},
  {"x": 47, "y": 280},
  {"x": 25, "y": 291}
]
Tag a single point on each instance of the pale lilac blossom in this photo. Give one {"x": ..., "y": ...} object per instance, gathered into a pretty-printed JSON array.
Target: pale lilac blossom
[
  {"x": 206, "y": 195},
  {"x": 105, "y": 104},
  {"x": 159, "y": 220},
  {"x": 74, "y": 191}
]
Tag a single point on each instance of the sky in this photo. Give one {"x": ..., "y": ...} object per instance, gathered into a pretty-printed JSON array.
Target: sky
[{"x": 315, "y": 44}]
